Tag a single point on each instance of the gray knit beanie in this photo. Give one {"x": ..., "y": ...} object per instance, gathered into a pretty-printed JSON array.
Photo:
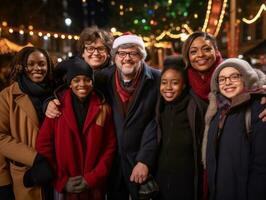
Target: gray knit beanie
[{"x": 250, "y": 76}]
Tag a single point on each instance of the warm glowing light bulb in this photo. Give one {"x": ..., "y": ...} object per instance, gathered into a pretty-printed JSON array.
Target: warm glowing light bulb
[
  {"x": 4, "y": 23},
  {"x": 113, "y": 29}
]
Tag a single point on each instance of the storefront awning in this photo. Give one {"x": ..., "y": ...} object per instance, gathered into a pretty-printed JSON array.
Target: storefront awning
[{"x": 7, "y": 46}]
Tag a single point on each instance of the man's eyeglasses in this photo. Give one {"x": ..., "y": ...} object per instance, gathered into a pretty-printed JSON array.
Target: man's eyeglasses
[
  {"x": 123, "y": 54},
  {"x": 233, "y": 78},
  {"x": 91, "y": 49}
]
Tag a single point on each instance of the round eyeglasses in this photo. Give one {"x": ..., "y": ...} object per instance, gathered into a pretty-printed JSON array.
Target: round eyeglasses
[
  {"x": 233, "y": 78},
  {"x": 91, "y": 49},
  {"x": 123, "y": 54}
]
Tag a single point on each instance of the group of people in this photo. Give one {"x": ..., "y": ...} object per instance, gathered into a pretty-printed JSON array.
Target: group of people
[{"x": 114, "y": 123}]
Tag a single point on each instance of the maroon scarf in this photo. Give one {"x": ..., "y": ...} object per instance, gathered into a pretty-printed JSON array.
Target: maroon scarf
[
  {"x": 201, "y": 86},
  {"x": 124, "y": 93}
]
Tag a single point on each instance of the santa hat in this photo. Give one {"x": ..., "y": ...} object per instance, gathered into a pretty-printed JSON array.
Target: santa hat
[{"x": 129, "y": 38}]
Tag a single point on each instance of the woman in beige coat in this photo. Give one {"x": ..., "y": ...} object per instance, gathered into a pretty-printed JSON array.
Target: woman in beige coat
[{"x": 20, "y": 120}]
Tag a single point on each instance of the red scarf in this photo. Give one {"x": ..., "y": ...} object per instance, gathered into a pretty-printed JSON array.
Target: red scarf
[
  {"x": 126, "y": 94},
  {"x": 201, "y": 85}
]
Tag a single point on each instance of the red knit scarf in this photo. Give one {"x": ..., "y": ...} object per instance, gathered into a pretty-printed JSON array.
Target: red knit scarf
[
  {"x": 199, "y": 84},
  {"x": 125, "y": 94}
]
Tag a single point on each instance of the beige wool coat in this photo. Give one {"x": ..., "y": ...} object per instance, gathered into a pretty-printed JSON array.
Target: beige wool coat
[{"x": 19, "y": 126}]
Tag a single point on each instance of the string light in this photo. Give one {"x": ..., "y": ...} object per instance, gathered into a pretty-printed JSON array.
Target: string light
[
  {"x": 188, "y": 29},
  {"x": 30, "y": 27},
  {"x": 76, "y": 37},
  {"x": 262, "y": 8},
  {"x": 181, "y": 33},
  {"x": 217, "y": 23},
  {"x": 4, "y": 23},
  {"x": 221, "y": 18},
  {"x": 113, "y": 29},
  {"x": 29, "y": 30},
  {"x": 207, "y": 15}
]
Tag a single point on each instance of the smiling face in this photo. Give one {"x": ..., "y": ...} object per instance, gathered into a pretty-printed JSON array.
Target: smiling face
[
  {"x": 81, "y": 86},
  {"x": 37, "y": 66},
  {"x": 202, "y": 54},
  {"x": 128, "y": 60},
  {"x": 95, "y": 54},
  {"x": 172, "y": 85},
  {"x": 230, "y": 82}
]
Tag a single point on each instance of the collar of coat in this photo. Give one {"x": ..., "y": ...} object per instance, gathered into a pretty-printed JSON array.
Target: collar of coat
[
  {"x": 94, "y": 107},
  {"x": 24, "y": 102}
]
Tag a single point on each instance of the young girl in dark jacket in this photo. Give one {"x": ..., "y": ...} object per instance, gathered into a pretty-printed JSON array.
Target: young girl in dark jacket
[
  {"x": 234, "y": 157},
  {"x": 181, "y": 119}
]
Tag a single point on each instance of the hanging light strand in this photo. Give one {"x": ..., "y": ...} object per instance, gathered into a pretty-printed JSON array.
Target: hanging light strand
[{"x": 250, "y": 21}]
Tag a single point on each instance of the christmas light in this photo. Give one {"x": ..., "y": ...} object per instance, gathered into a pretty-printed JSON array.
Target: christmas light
[
  {"x": 207, "y": 15},
  {"x": 29, "y": 30},
  {"x": 4, "y": 23},
  {"x": 262, "y": 8},
  {"x": 221, "y": 18}
]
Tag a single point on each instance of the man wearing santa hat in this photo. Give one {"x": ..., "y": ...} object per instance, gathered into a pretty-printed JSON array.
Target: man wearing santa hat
[{"x": 131, "y": 89}]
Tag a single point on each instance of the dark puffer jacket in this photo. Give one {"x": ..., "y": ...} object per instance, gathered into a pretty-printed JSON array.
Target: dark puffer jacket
[{"x": 236, "y": 162}]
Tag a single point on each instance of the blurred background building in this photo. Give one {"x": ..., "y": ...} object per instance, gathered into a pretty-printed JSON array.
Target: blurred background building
[{"x": 55, "y": 25}]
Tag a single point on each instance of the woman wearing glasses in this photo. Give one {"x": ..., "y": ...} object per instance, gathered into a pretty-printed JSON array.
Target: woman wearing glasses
[
  {"x": 94, "y": 47},
  {"x": 21, "y": 117},
  {"x": 234, "y": 157}
]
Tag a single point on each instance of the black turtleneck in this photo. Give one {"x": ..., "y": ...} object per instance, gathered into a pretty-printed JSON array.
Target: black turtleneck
[{"x": 80, "y": 109}]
